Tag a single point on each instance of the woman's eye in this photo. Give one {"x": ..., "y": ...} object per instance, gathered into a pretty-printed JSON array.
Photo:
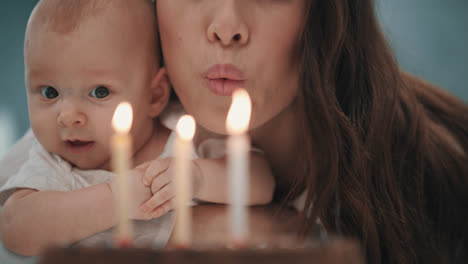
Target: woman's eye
[
  {"x": 49, "y": 92},
  {"x": 100, "y": 92}
]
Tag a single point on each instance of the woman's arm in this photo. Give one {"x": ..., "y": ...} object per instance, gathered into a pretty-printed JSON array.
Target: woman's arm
[
  {"x": 212, "y": 181},
  {"x": 33, "y": 220}
]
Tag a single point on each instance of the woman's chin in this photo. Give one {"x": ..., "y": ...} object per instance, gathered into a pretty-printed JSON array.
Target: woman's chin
[{"x": 215, "y": 127}]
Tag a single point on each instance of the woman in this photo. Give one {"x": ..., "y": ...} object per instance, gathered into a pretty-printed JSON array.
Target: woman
[{"x": 380, "y": 154}]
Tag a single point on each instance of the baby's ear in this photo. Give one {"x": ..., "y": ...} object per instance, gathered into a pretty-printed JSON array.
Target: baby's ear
[{"x": 160, "y": 92}]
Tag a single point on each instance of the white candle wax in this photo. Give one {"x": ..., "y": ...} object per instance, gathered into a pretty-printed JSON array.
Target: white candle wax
[
  {"x": 121, "y": 148},
  {"x": 121, "y": 163},
  {"x": 238, "y": 165},
  {"x": 238, "y": 147},
  {"x": 182, "y": 170}
]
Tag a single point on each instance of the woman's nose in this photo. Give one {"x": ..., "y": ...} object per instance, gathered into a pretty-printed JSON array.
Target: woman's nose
[
  {"x": 70, "y": 117},
  {"x": 228, "y": 26}
]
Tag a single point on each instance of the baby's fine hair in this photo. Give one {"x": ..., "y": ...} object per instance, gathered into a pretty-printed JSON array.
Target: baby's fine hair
[{"x": 65, "y": 16}]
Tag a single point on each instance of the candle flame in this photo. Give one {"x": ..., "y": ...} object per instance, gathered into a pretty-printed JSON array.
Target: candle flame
[
  {"x": 123, "y": 118},
  {"x": 238, "y": 117},
  {"x": 186, "y": 127}
]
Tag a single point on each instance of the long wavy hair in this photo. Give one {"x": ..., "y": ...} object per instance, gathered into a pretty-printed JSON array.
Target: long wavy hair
[{"x": 385, "y": 157}]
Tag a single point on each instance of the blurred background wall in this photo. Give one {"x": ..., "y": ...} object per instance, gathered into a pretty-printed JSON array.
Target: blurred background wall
[
  {"x": 429, "y": 38},
  {"x": 13, "y": 108}
]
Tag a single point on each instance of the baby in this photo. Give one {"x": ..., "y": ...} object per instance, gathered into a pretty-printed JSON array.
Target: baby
[{"x": 82, "y": 58}]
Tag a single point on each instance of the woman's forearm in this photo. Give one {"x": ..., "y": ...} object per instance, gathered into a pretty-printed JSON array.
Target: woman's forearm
[
  {"x": 32, "y": 220},
  {"x": 262, "y": 183},
  {"x": 213, "y": 183}
]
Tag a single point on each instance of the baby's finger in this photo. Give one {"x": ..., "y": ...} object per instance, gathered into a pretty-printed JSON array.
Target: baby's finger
[
  {"x": 163, "y": 208},
  {"x": 160, "y": 181},
  {"x": 165, "y": 194},
  {"x": 143, "y": 166},
  {"x": 155, "y": 168}
]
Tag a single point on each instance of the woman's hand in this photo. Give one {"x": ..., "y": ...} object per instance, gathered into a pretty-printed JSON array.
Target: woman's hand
[
  {"x": 137, "y": 191},
  {"x": 159, "y": 177}
]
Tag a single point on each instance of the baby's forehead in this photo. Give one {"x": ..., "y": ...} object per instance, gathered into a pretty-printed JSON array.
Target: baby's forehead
[
  {"x": 66, "y": 15},
  {"x": 134, "y": 19}
]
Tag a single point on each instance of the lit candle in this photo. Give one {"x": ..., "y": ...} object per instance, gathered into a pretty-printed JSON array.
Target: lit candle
[
  {"x": 121, "y": 149},
  {"x": 238, "y": 147},
  {"x": 183, "y": 149}
]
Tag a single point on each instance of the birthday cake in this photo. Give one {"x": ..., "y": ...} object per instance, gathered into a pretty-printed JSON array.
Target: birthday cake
[
  {"x": 272, "y": 239},
  {"x": 333, "y": 252}
]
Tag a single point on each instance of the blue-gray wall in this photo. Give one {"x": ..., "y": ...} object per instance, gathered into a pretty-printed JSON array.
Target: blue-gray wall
[
  {"x": 429, "y": 38},
  {"x": 13, "y": 108}
]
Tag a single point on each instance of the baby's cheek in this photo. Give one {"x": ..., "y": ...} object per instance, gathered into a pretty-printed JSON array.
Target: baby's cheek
[{"x": 43, "y": 125}]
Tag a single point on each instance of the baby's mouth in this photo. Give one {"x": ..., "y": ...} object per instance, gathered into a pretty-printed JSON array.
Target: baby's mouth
[
  {"x": 78, "y": 142},
  {"x": 79, "y": 146}
]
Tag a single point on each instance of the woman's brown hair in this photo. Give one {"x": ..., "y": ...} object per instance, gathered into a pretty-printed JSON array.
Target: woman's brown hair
[{"x": 385, "y": 156}]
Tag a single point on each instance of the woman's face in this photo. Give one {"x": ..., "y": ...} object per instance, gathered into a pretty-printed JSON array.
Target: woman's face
[{"x": 212, "y": 47}]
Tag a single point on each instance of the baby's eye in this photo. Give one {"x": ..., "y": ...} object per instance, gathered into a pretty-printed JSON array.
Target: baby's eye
[
  {"x": 49, "y": 92},
  {"x": 100, "y": 92}
]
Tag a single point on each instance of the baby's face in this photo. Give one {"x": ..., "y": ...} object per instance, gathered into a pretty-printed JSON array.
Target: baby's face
[{"x": 75, "y": 81}]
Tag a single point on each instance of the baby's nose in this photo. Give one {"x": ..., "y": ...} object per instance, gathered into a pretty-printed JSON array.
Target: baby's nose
[{"x": 71, "y": 117}]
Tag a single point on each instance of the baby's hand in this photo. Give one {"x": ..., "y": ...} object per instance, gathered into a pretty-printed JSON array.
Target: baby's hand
[{"x": 159, "y": 178}]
